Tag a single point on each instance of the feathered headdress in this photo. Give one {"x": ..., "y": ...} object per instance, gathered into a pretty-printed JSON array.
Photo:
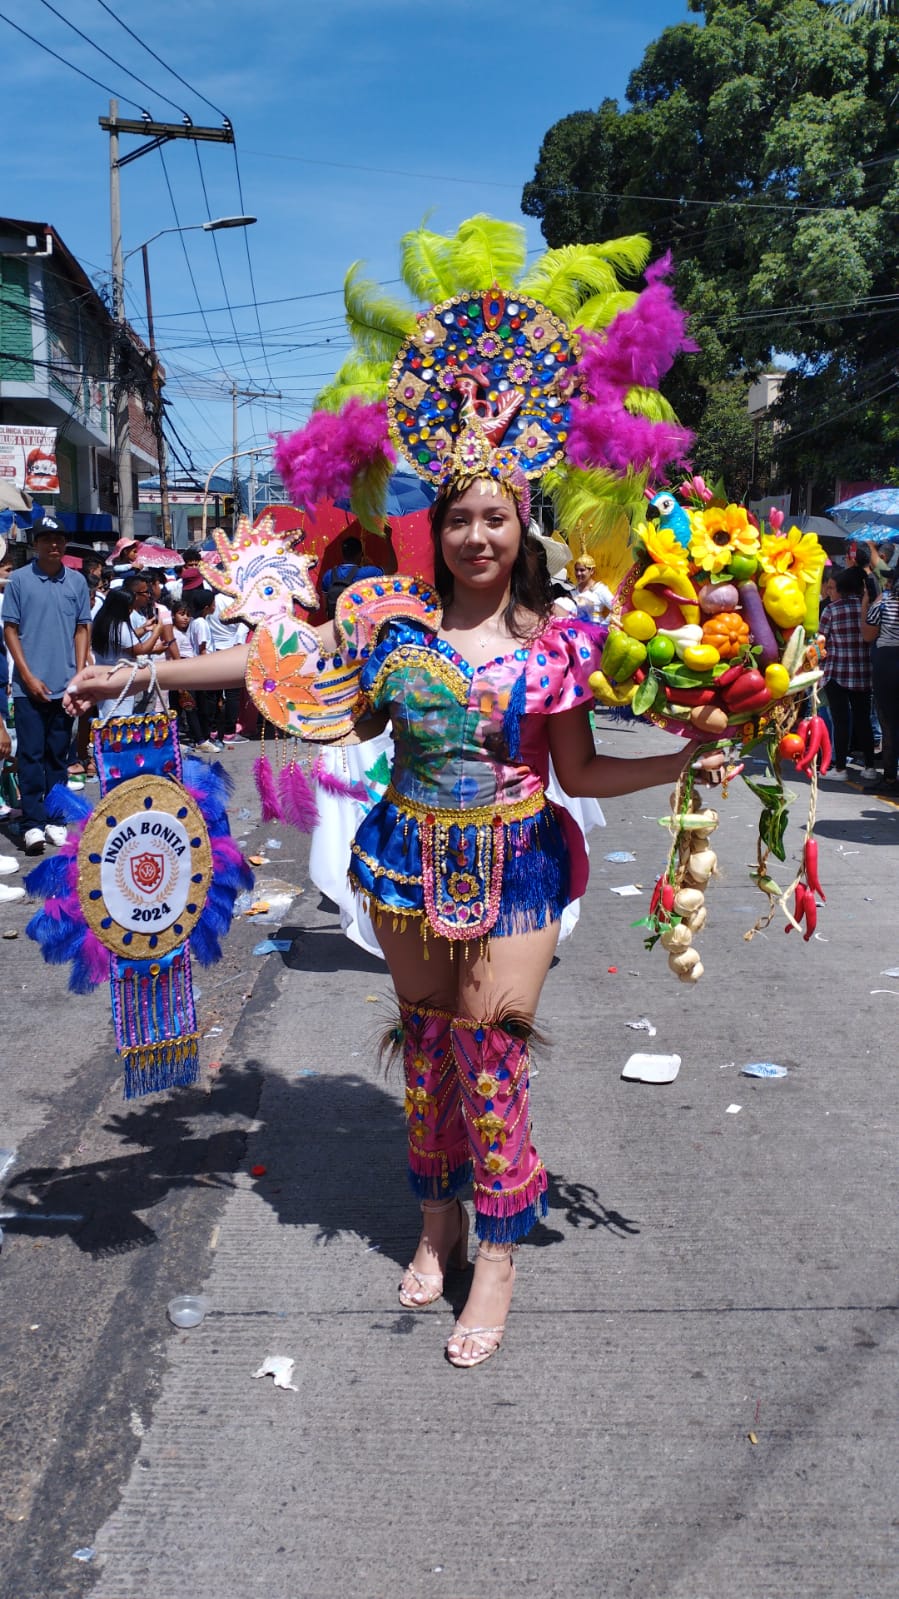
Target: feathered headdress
[{"x": 503, "y": 372}]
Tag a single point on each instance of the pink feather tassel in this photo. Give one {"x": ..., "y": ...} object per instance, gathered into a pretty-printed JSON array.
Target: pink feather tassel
[
  {"x": 332, "y": 784},
  {"x": 265, "y": 787},
  {"x": 298, "y": 805},
  {"x": 323, "y": 459}
]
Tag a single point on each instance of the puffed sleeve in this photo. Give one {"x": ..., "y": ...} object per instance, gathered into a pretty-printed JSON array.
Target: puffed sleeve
[{"x": 560, "y": 663}]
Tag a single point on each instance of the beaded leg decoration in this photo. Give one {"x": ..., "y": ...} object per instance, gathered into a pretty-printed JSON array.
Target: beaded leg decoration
[
  {"x": 439, "y": 1157},
  {"x": 509, "y": 1177}
]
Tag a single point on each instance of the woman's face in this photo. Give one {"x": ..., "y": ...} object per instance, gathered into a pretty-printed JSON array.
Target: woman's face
[
  {"x": 583, "y": 576},
  {"x": 480, "y": 537}
]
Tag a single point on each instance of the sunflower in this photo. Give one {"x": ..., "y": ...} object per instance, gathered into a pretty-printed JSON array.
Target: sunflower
[
  {"x": 662, "y": 546},
  {"x": 797, "y": 554},
  {"x": 720, "y": 534}
]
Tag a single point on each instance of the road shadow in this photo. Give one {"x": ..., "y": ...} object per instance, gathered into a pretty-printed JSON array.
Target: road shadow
[
  {"x": 871, "y": 827},
  {"x": 187, "y": 1140},
  {"x": 328, "y": 1153},
  {"x": 326, "y": 949}
]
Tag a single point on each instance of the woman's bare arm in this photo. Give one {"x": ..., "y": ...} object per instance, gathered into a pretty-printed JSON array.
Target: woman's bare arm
[
  {"x": 223, "y": 669},
  {"x": 585, "y": 775}
]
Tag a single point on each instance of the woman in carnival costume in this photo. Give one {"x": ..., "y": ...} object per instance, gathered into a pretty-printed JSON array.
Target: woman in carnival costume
[{"x": 465, "y": 865}]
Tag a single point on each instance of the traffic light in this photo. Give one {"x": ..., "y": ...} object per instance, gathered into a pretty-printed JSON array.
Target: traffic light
[{"x": 228, "y": 506}]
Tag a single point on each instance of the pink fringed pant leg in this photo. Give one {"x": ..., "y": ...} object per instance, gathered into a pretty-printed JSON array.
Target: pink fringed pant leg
[
  {"x": 509, "y": 1177},
  {"x": 439, "y": 1156}
]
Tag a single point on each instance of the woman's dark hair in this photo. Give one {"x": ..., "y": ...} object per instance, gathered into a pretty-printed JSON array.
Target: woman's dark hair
[
  {"x": 113, "y": 615},
  {"x": 851, "y": 581},
  {"x": 530, "y": 586}
]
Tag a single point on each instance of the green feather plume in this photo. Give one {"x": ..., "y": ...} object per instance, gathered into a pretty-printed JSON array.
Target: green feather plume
[
  {"x": 358, "y": 379},
  {"x": 425, "y": 265},
  {"x": 649, "y": 403},
  {"x": 563, "y": 278},
  {"x": 377, "y": 323},
  {"x": 368, "y": 501},
  {"x": 601, "y": 309},
  {"x": 484, "y": 252},
  {"x": 628, "y": 254}
]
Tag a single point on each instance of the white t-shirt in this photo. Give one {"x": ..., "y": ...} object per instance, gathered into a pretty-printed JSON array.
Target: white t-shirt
[
  {"x": 189, "y": 642},
  {"x": 224, "y": 635}
]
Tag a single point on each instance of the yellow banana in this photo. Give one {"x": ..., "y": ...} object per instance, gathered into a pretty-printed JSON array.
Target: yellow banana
[{"x": 607, "y": 694}]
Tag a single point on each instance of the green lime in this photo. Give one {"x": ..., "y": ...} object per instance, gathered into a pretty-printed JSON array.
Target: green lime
[{"x": 660, "y": 650}]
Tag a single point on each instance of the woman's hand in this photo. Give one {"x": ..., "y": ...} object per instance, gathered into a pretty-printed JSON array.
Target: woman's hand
[
  {"x": 711, "y": 769},
  {"x": 91, "y": 685},
  {"x": 5, "y": 741}
]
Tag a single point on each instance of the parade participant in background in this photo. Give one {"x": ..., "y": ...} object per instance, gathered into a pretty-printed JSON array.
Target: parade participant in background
[
  {"x": 46, "y": 621},
  {"x": 114, "y": 637},
  {"x": 592, "y": 601}
]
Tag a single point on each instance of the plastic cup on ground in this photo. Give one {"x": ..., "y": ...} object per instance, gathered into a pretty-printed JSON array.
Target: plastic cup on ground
[{"x": 187, "y": 1310}]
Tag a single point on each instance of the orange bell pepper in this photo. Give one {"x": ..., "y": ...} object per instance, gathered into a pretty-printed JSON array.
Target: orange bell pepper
[{"x": 727, "y": 633}]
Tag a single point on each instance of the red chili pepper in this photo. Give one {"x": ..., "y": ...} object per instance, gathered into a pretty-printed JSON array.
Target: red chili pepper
[
  {"x": 731, "y": 675},
  {"x": 639, "y": 675},
  {"x": 817, "y": 744},
  {"x": 656, "y": 900},
  {"x": 811, "y": 915},
  {"x": 810, "y": 861},
  {"x": 667, "y": 897},
  {"x": 798, "y": 907},
  {"x": 825, "y": 754},
  {"x": 689, "y": 696}
]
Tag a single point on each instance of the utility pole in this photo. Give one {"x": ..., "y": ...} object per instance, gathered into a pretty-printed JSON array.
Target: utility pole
[
  {"x": 156, "y": 134},
  {"x": 156, "y": 380},
  {"x": 241, "y": 394},
  {"x": 121, "y": 422}
]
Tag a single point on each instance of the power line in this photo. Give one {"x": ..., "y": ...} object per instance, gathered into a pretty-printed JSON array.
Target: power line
[
  {"x": 113, "y": 93},
  {"x": 120, "y": 64},
  {"x": 186, "y": 256},
  {"x": 218, "y": 258},
  {"x": 164, "y": 64}
]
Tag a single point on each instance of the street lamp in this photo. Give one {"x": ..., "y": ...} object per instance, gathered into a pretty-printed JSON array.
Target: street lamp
[{"x": 123, "y": 432}]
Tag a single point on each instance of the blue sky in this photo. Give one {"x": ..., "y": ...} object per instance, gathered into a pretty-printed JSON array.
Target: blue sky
[{"x": 353, "y": 119}]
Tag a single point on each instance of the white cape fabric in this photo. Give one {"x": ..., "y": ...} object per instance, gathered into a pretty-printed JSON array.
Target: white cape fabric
[{"x": 368, "y": 765}]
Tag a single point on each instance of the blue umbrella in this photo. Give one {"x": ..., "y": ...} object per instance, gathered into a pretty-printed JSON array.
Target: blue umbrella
[
  {"x": 405, "y": 492},
  {"x": 873, "y": 516}
]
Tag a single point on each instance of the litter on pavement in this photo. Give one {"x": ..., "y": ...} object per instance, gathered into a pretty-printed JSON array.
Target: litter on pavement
[
  {"x": 626, "y": 890},
  {"x": 651, "y": 1068},
  {"x": 273, "y": 843},
  {"x": 280, "y": 1367},
  {"x": 619, "y": 856},
  {"x": 85, "y": 1554},
  {"x": 272, "y": 946},
  {"x": 733, "y": 1110},
  {"x": 763, "y": 1068},
  {"x": 642, "y": 1025}
]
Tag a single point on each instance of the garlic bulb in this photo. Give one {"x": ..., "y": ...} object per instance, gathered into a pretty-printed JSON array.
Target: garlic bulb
[
  {"x": 688, "y": 900},
  {"x": 678, "y": 937},
  {"x": 697, "y": 921},
  {"x": 700, "y": 866},
  {"x": 684, "y": 962}
]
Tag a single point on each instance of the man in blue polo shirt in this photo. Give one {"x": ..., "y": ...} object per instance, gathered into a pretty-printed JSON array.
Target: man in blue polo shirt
[{"x": 46, "y": 625}]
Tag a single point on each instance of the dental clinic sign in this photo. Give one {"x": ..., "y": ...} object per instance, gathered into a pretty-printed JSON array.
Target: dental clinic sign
[{"x": 28, "y": 459}]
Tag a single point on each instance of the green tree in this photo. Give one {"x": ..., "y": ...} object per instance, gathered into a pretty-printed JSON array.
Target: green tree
[{"x": 760, "y": 147}]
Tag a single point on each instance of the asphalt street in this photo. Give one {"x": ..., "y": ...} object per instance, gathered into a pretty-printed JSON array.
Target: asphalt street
[{"x": 696, "y": 1395}]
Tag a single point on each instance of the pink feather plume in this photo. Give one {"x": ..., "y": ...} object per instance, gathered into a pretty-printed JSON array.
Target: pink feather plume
[
  {"x": 96, "y": 958},
  {"x": 332, "y": 784},
  {"x": 323, "y": 459},
  {"x": 298, "y": 805},
  {"x": 637, "y": 349},
  {"x": 265, "y": 787}
]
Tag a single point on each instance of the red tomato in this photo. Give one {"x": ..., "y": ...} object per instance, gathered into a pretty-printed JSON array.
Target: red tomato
[{"x": 791, "y": 746}]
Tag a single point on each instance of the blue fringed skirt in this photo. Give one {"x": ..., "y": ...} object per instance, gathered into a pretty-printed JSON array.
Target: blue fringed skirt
[{"x": 533, "y": 876}]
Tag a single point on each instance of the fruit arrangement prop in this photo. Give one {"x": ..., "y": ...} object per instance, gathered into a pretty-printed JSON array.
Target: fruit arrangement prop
[{"x": 714, "y": 637}]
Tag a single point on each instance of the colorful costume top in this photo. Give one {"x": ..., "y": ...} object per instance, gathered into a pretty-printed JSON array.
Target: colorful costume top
[{"x": 465, "y": 836}]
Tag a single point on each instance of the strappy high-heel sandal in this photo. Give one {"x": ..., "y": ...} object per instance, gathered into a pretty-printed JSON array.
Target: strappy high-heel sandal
[
  {"x": 487, "y": 1340},
  {"x": 429, "y": 1285}
]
